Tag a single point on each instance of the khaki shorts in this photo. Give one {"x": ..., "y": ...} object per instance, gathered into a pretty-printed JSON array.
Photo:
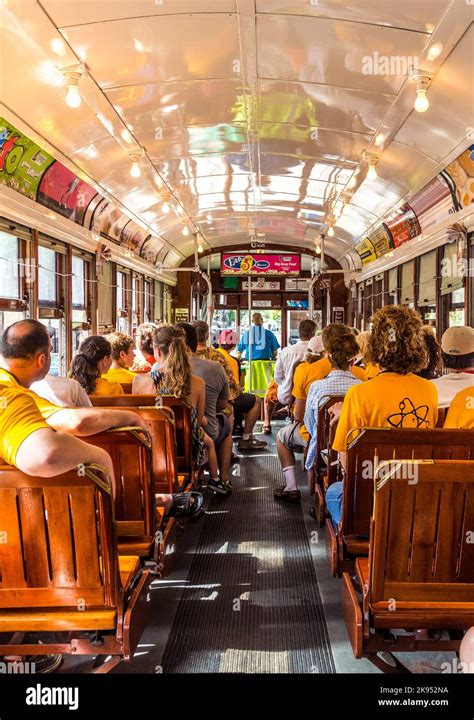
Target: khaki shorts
[{"x": 290, "y": 437}]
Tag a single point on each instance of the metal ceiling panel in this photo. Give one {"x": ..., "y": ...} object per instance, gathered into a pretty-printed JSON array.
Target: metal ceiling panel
[
  {"x": 150, "y": 51},
  {"x": 326, "y": 51},
  {"x": 419, "y": 16},
  {"x": 81, "y": 12}
]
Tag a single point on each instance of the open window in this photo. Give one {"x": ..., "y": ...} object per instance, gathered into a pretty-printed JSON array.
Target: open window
[
  {"x": 15, "y": 272},
  {"x": 51, "y": 294}
]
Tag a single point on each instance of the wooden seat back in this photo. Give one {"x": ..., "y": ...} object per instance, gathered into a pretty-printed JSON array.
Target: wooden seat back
[
  {"x": 162, "y": 434},
  {"x": 323, "y": 431},
  {"x": 127, "y": 388},
  {"x": 184, "y": 431},
  {"x": 133, "y": 491},
  {"x": 122, "y": 400},
  {"x": 57, "y": 542},
  {"x": 421, "y": 551},
  {"x": 374, "y": 445}
]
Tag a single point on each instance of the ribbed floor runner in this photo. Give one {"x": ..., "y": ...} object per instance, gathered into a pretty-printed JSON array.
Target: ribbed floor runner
[{"x": 252, "y": 602}]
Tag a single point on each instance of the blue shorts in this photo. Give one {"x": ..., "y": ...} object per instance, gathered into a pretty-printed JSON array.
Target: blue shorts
[{"x": 224, "y": 428}]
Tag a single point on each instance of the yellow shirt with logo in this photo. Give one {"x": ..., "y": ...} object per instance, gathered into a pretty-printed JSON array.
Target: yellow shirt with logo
[
  {"x": 119, "y": 375},
  {"x": 388, "y": 400},
  {"x": 308, "y": 373},
  {"x": 461, "y": 411},
  {"x": 22, "y": 412},
  {"x": 104, "y": 387}
]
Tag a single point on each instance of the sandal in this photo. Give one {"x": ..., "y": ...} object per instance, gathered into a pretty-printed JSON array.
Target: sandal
[
  {"x": 182, "y": 505},
  {"x": 290, "y": 495}
]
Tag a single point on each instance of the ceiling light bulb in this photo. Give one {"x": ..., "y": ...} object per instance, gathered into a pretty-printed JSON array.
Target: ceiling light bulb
[
  {"x": 372, "y": 172},
  {"x": 318, "y": 249},
  {"x": 165, "y": 208},
  {"x": 200, "y": 248},
  {"x": 185, "y": 231},
  {"x": 331, "y": 231},
  {"x": 73, "y": 98},
  {"x": 421, "y": 103},
  {"x": 135, "y": 171}
]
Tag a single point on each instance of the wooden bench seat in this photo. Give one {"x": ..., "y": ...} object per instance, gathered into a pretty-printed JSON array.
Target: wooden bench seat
[
  {"x": 370, "y": 448},
  {"x": 61, "y": 571},
  {"x": 420, "y": 569}
]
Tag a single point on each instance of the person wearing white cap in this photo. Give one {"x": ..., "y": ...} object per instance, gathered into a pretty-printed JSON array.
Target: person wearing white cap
[{"x": 457, "y": 352}]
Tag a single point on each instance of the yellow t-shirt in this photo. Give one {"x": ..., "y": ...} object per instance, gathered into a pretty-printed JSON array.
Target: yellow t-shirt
[
  {"x": 307, "y": 373},
  {"x": 104, "y": 387},
  {"x": 371, "y": 370},
  {"x": 119, "y": 375},
  {"x": 388, "y": 400},
  {"x": 461, "y": 411},
  {"x": 22, "y": 412},
  {"x": 234, "y": 365}
]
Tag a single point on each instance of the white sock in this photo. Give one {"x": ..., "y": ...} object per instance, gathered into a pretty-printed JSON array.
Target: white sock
[
  {"x": 290, "y": 479},
  {"x": 246, "y": 436}
]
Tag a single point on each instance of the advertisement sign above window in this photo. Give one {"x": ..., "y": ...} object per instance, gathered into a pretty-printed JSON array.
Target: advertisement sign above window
[{"x": 260, "y": 264}]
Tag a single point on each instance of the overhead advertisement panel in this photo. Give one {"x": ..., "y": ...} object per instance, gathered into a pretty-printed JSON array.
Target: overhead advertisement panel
[
  {"x": 403, "y": 225},
  {"x": 366, "y": 251},
  {"x": 381, "y": 241},
  {"x": 260, "y": 264},
  {"x": 22, "y": 162},
  {"x": 433, "y": 204},
  {"x": 62, "y": 191}
]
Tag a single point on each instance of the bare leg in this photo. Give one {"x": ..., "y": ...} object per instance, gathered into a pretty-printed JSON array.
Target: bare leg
[
  {"x": 224, "y": 454},
  {"x": 466, "y": 651},
  {"x": 252, "y": 416},
  {"x": 211, "y": 456},
  {"x": 286, "y": 456}
]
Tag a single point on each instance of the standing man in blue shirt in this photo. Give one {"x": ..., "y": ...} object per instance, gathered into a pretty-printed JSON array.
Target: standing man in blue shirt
[{"x": 264, "y": 343}]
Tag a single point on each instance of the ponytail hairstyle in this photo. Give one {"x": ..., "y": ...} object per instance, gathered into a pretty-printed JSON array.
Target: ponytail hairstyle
[
  {"x": 342, "y": 349},
  {"x": 171, "y": 341},
  {"x": 84, "y": 366}
]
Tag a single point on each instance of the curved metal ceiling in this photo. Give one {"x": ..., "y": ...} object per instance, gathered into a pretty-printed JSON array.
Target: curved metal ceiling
[{"x": 249, "y": 111}]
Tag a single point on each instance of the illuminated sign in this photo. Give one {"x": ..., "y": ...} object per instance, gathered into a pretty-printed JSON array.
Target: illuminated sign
[{"x": 261, "y": 264}]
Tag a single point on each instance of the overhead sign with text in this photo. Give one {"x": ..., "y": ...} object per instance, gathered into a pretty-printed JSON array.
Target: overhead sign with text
[{"x": 260, "y": 264}]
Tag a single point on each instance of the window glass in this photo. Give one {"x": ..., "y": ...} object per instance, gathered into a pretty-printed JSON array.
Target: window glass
[
  {"x": 78, "y": 282},
  {"x": 9, "y": 266},
  {"x": 47, "y": 280}
]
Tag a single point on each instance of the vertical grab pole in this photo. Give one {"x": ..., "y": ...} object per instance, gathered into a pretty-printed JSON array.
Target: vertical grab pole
[{"x": 249, "y": 300}]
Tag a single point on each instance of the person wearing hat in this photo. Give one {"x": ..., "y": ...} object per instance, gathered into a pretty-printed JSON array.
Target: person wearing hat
[{"x": 457, "y": 353}]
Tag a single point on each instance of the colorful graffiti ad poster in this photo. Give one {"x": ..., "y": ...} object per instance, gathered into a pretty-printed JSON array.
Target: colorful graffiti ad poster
[
  {"x": 381, "y": 241},
  {"x": 62, "y": 191},
  {"x": 433, "y": 204},
  {"x": 403, "y": 225},
  {"x": 265, "y": 264},
  {"x": 366, "y": 251},
  {"x": 22, "y": 162},
  {"x": 461, "y": 172}
]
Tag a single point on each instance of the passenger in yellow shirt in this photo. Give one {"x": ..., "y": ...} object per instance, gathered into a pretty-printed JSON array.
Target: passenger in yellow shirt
[
  {"x": 396, "y": 397},
  {"x": 91, "y": 362},
  {"x": 36, "y": 436},
  {"x": 461, "y": 411},
  {"x": 123, "y": 357},
  {"x": 227, "y": 342},
  {"x": 294, "y": 438}
]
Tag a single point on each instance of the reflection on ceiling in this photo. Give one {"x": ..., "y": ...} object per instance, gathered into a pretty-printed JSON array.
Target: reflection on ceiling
[{"x": 244, "y": 114}]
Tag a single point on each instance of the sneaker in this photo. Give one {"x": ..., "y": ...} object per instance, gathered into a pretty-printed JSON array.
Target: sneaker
[
  {"x": 227, "y": 484},
  {"x": 251, "y": 444},
  {"x": 218, "y": 486},
  {"x": 290, "y": 495},
  {"x": 387, "y": 658}
]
